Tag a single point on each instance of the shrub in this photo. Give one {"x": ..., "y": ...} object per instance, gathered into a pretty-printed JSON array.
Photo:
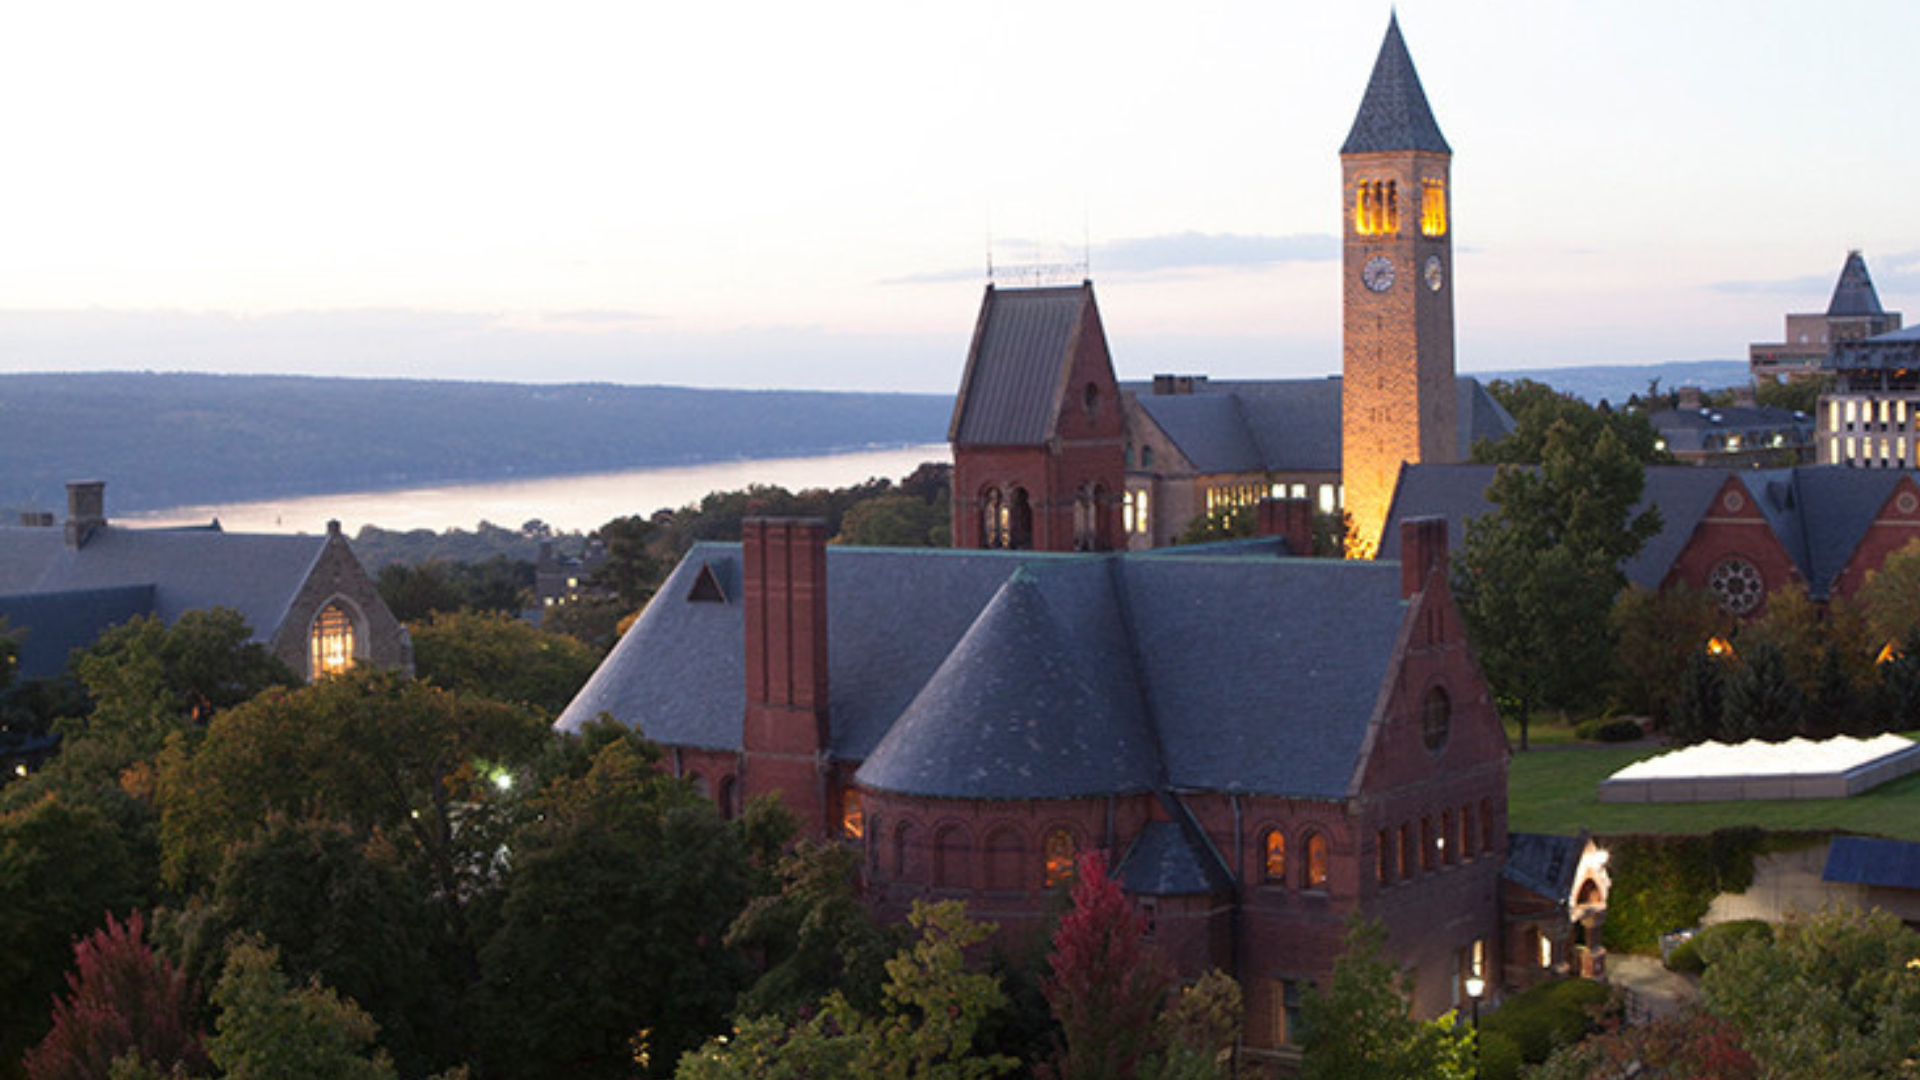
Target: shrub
[
  {"x": 1547, "y": 1017},
  {"x": 1499, "y": 1056},
  {"x": 1609, "y": 729},
  {"x": 1693, "y": 956}
]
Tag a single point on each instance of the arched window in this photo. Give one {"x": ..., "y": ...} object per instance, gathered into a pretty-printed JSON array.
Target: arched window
[
  {"x": 1433, "y": 208},
  {"x": 1273, "y": 857},
  {"x": 1020, "y": 520},
  {"x": 1436, "y": 718},
  {"x": 853, "y": 818},
  {"x": 1102, "y": 521},
  {"x": 993, "y": 519},
  {"x": 1317, "y": 864},
  {"x": 1383, "y": 857},
  {"x": 1448, "y": 848},
  {"x": 1006, "y": 860},
  {"x": 331, "y": 643},
  {"x": 1427, "y": 845},
  {"x": 950, "y": 850},
  {"x": 1467, "y": 836},
  {"x": 1059, "y": 854},
  {"x": 902, "y": 848}
]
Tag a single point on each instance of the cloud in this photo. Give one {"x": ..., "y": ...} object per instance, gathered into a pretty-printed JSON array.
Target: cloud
[
  {"x": 1896, "y": 273},
  {"x": 1142, "y": 256}
]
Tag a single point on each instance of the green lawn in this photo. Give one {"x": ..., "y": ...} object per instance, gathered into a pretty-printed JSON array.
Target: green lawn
[{"x": 1553, "y": 791}]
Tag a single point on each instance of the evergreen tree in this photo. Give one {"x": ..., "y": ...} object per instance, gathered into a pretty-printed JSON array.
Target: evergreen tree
[
  {"x": 1698, "y": 706},
  {"x": 1762, "y": 700}
]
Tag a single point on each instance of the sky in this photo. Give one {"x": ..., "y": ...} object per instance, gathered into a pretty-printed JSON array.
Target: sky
[{"x": 809, "y": 195}]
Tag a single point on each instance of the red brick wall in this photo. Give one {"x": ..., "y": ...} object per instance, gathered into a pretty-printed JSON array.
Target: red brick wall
[
  {"x": 1897, "y": 525},
  {"x": 1733, "y": 526}
]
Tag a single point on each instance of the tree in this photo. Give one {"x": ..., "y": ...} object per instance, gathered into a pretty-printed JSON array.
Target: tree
[
  {"x": 63, "y": 869},
  {"x": 1537, "y": 409},
  {"x": 1800, "y": 395},
  {"x": 1762, "y": 700},
  {"x": 1198, "y": 1028},
  {"x": 631, "y": 571},
  {"x": 814, "y": 936},
  {"x": 1699, "y": 702},
  {"x": 267, "y": 1030},
  {"x": 1358, "y": 1025},
  {"x": 930, "y": 1017},
  {"x": 1656, "y": 634},
  {"x": 618, "y": 894},
  {"x": 500, "y": 657},
  {"x": 1539, "y": 573},
  {"x": 1691, "y": 1046},
  {"x": 1831, "y": 994},
  {"x": 1107, "y": 982},
  {"x": 148, "y": 679},
  {"x": 1220, "y": 523},
  {"x": 1891, "y": 596},
  {"x": 122, "y": 1000},
  {"x": 902, "y": 520}
]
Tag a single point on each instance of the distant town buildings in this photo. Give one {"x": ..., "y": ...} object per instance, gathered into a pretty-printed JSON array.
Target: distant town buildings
[
  {"x": 1869, "y": 417},
  {"x": 1743, "y": 433},
  {"x": 1854, "y": 314}
]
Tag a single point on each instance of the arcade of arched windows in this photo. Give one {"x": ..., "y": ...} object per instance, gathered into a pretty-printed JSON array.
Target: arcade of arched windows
[
  {"x": 943, "y": 855},
  {"x": 1432, "y": 842},
  {"x": 1006, "y": 517}
]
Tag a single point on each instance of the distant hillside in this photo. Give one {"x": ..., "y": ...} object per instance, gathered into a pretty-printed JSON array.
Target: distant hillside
[
  {"x": 1615, "y": 382},
  {"x": 172, "y": 439}
]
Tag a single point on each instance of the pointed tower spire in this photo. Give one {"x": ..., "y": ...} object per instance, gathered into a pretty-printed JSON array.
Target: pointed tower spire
[
  {"x": 1394, "y": 114},
  {"x": 1854, "y": 294}
]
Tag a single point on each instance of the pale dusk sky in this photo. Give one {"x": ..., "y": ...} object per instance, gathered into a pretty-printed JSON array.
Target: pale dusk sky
[{"x": 805, "y": 195}]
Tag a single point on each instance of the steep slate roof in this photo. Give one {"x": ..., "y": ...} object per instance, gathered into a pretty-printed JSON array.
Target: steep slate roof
[
  {"x": 186, "y": 569},
  {"x": 1284, "y": 425},
  {"x": 52, "y": 625},
  {"x": 1010, "y": 395},
  {"x": 1394, "y": 114},
  {"x": 1819, "y": 513},
  {"x": 1860, "y": 860},
  {"x": 1854, "y": 294},
  {"x": 1001, "y": 675},
  {"x": 1165, "y": 860},
  {"x": 1544, "y": 863},
  {"x": 1690, "y": 429}
]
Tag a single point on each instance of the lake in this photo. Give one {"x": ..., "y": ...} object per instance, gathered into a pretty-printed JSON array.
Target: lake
[{"x": 567, "y": 503}]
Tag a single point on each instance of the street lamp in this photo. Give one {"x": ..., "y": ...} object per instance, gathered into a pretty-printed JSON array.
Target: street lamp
[{"x": 1475, "y": 987}]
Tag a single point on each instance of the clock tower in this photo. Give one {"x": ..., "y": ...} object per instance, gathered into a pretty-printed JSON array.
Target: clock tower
[{"x": 1398, "y": 398}]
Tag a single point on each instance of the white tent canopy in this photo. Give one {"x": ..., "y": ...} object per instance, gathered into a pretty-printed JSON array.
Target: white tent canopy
[{"x": 1796, "y": 769}]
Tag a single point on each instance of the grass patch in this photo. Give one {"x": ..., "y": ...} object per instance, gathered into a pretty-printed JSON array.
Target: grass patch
[{"x": 1555, "y": 791}]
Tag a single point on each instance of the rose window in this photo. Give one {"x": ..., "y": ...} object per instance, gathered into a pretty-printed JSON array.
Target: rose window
[{"x": 1737, "y": 584}]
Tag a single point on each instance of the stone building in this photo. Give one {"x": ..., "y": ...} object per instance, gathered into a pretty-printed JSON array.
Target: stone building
[
  {"x": 306, "y": 597},
  {"x": 1743, "y": 433},
  {"x": 1853, "y": 314}
]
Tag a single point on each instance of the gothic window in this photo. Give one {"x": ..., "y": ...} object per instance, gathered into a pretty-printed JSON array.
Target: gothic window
[
  {"x": 853, "y": 819},
  {"x": 1433, "y": 208},
  {"x": 1376, "y": 208},
  {"x": 1273, "y": 857},
  {"x": 1019, "y": 518},
  {"x": 902, "y": 849},
  {"x": 993, "y": 518},
  {"x": 1737, "y": 584},
  {"x": 331, "y": 643},
  {"x": 1383, "y": 857},
  {"x": 1436, "y": 718},
  {"x": 950, "y": 849},
  {"x": 1317, "y": 865},
  {"x": 1059, "y": 855}
]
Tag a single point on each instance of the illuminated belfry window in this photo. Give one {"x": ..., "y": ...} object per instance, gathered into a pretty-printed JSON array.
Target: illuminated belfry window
[
  {"x": 331, "y": 646},
  {"x": 1433, "y": 208},
  {"x": 1376, "y": 208}
]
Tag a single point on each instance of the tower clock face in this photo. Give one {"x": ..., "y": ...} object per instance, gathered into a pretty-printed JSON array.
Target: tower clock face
[
  {"x": 1378, "y": 273},
  {"x": 1436, "y": 274}
]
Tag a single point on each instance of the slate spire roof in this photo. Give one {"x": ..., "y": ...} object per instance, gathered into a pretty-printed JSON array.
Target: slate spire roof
[
  {"x": 1394, "y": 114},
  {"x": 1853, "y": 294}
]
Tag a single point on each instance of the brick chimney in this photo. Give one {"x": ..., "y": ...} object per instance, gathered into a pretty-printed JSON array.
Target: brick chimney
[
  {"x": 1423, "y": 549},
  {"x": 786, "y": 730},
  {"x": 1288, "y": 518},
  {"x": 86, "y": 510},
  {"x": 1690, "y": 398}
]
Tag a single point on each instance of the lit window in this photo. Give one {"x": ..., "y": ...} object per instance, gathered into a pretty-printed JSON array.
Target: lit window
[
  {"x": 1273, "y": 866},
  {"x": 1139, "y": 520},
  {"x": 1853, "y": 411},
  {"x": 1543, "y": 949},
  {"x": 332, "y": 642},
  {"x": 1059, "y": 857},
  {"x": 1376, "y": 208},
  {"x": 1433, "y": 208},
  {"x": 853, "y": 818},
  {"x": 1316, "y": 862}
]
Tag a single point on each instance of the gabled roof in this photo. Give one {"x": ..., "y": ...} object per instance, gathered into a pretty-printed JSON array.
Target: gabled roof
[
  {"x": 1854, "y": 294},
  {"x": 982, "y": 674},
  {"x": 1010, "y": 395},
  {"x": 1394, "y": 114},
  {"x": 1706, "y": 429},
  {"x": 1544, "y": 863},
  {"x": 1284, "y": 425},
  {"x": 1819, "y": 513},
  {"x": 52, "y": 625},
  {"x": 1164, "y": 860},
  {"x": 186, "y": 569}
]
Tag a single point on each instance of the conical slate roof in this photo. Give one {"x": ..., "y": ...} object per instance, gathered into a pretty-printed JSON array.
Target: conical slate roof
[
  {"x": 1020, "y": 709},
  {"x": 1854, "y": 294},
  {"x": 1394, "y": 114}
]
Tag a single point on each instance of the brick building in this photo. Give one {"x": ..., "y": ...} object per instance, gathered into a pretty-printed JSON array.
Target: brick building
[{"x": 1853, "y": 314}]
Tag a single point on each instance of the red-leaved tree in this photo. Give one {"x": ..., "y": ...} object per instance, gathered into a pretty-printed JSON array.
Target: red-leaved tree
[
  {"x": 121, "y": 1000},
  {"x": 1107, "y": 984}
]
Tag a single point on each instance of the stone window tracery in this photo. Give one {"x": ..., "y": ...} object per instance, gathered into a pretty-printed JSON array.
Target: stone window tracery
[
  {"x": 331, "y": 644},
  {"x": 1737, "y": 584},
  {"x": 1376, "y": 208},
  {"x": 1433, "y": 208}
]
